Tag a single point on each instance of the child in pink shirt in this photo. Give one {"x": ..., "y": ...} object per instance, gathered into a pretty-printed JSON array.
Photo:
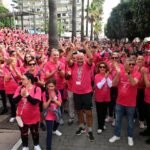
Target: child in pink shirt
[{"x": 51, "y": 102}]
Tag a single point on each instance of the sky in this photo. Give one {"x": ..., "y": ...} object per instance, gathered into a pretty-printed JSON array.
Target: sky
[{"x": 107, "y": 8}]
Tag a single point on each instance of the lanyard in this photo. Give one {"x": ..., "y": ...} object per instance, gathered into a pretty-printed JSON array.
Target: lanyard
[{"x": 79, "y": 73}]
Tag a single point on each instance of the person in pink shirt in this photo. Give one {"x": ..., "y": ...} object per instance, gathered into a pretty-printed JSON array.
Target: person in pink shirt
[
  {"x": 70, "y": 91},
  {"x": 56, "y": 69},
  {"x": 113, "y": 63},
  {"x": 28, "y": 97},
  {"x": 12, "y": 78},
  {"x": 127, "y": 82},
  {"x": 51, "y": 103},
  {"x": 39, "y": 74},
  {"x": 82, "y": 89},
  {"x": 103, "y": 83},
  {"x": 2, "y": 89},
  {"x": 146, "y": 132},
  {"x": 140, "y": 64}
]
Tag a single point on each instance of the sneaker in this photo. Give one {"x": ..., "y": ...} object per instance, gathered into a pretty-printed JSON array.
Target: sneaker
[
  {"x": 145, "y": 133},
  {"x": 12, "y": 119},
  {"x": 114, "y": 139},
  {"x": 105, "y": 127},
  {"x": 61, "y": 121},
  {"x": 130, "y": 141},
  {"x": 113, "y": 123},
  {"x": 80, "y": 131},
  {"x": 58, "y": 133},
  {"x": 91, "y": 137},
  {"x": 99, "y": 131},
  {"x": 42, "y": 126},
  {"x": 147, "y": 141},
  {"x": 25, "y": 148},
  {"x": 37, "y": 147},
  {"x": 141, "y": 125},
  {"x": 70, "y": 121},
  {"x": 109, "y": 119},
  {"x": 4, "y": 111}
]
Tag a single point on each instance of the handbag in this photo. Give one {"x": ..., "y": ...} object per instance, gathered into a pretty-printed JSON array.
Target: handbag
[{"x": 18, "y": 117}]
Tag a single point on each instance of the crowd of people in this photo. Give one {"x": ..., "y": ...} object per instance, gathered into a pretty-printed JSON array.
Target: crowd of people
[{"x": 41, "y": 84}]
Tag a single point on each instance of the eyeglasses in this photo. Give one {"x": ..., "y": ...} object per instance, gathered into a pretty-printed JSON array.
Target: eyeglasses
[
  {"x": 32, "y": 64},
  {"x": 131, "y": 64},
  {"x": 102, "y": 67},
  {"x": 114, "y": 58},
  {"x": 28, "y": 56}
]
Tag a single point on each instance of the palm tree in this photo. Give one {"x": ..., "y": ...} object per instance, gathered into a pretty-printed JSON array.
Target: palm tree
[
  {"x": 53, "y": 36},
  {"x": 74, "y": 19},
  {"x": 95, "y": 13},
  {"x": 87, "y": 16},
  {"x": 82, "y": 22}
]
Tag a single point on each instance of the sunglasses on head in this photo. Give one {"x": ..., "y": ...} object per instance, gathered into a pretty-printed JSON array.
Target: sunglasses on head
[{"x": 33, "y": 64}]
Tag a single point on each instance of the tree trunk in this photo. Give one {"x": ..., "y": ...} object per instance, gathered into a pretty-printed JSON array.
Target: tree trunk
[
  {"x": 91, "y": 38},
  {"x": 82, "y": 22},
  {"x": 87, "y": 17},
  {"x": 45, "y": 17},
  {"x": 53, "y": 36},
  {"x": 74, "y": 13}
]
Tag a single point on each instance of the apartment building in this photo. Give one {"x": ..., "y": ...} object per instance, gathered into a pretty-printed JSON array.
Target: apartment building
[{"x": 40, "y": 9}]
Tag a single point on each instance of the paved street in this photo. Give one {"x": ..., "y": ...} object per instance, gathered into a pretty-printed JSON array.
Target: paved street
[{"x": 69, "y": 141}]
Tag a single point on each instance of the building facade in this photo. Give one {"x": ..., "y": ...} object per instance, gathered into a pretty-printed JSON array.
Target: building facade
[{"x": 39, "y": 21}]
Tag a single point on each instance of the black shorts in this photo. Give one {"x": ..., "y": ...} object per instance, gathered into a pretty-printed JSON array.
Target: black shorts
[{"x": 83, "y": 101}]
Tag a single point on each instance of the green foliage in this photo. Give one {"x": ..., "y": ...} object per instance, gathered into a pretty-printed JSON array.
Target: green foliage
[
  {"x": 60, "y": 27},
  {"x": 4, "y": 22},
  {"x": 95, "y": 15},
  {"x": 129, "y": 19}
]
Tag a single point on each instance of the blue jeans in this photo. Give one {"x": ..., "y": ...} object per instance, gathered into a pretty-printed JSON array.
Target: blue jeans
[
  {"x": 49, "y": 124},
  {"x": 120, "y": 111}
]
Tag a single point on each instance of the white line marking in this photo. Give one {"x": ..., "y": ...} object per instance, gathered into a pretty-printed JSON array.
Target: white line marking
[{"x": 17, "y": 145}]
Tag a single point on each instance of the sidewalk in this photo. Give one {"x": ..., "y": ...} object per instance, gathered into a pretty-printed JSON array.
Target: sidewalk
[{"x": 69, "y": 141}]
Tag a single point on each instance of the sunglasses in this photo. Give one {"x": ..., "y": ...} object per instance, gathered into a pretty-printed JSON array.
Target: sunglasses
[
  {"x": 102, "y": 67},
  {"x": 32, "y": 64},
  {"x": 131, "y": 64},
  {"x": 114, "y": 58}
]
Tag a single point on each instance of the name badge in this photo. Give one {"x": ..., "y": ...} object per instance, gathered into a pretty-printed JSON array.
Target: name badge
[{"x": 78, "y": 82}]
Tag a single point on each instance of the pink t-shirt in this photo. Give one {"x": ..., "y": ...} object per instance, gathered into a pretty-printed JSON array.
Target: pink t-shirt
[
  {"x": 50, "y": 115},
  {"x": 103, "y": 94},
  {"x": 2, "y": 78},
  {"x": 50, "y": 66},
  {"x": 29, "y": 113},
  {"x": 147, "y": 93},
  {"x": 127, "y": 92},
  {"x": 69, "y": 81},
  {"x": 12, "y": 84},
  {"x": 81, "y": 78}
]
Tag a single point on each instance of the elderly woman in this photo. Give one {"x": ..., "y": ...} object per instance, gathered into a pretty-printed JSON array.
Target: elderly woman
[{"x": 103, "y": 83}]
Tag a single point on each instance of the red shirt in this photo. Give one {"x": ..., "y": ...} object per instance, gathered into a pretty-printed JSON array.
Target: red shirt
[
  {"x": 147, "y": 93},
  {"x": 127, "y": 92},
  {"x": 29, "y": 113},
  {"x": 81, "y": 78},
  {"x": 103, "y": 94}
]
